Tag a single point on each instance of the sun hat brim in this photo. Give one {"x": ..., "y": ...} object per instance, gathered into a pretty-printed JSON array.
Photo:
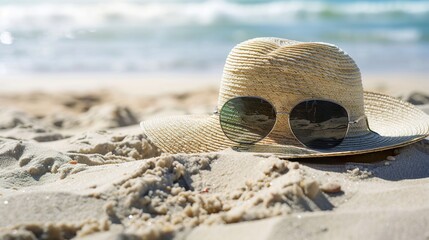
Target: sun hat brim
[{"x": 393, "y": 124}]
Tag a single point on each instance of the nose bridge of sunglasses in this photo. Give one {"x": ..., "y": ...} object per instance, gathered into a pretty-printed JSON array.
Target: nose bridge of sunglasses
[{"x": 283, "y": 113}]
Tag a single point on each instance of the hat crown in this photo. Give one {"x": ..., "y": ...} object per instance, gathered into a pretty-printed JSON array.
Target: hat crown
[{"x": 286, "y": 72}]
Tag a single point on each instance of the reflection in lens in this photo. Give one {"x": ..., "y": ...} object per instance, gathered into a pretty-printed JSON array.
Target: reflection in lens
[
  {"x": 319, "y": 124},
  {"x": 247, "y": 119}
]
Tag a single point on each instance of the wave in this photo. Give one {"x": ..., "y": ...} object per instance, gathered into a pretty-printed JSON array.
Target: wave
[{"x": 48, "y": 14}]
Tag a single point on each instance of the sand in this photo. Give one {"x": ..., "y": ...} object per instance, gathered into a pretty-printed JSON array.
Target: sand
[{"x": 75, "y": 164}]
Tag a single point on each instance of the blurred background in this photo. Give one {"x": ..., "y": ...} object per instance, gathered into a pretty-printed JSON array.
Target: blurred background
[{"x": 195, "y": 36}]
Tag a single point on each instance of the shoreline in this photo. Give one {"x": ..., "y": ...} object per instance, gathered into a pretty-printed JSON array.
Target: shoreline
[
  {"x": 145, "y": 84},
  {"x": 161, "y": 83}
]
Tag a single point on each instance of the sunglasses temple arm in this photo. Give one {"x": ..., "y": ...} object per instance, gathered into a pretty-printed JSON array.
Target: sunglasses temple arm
[
  {"x": 358, "y": 120},
  {"x": 216, "y": 111}
]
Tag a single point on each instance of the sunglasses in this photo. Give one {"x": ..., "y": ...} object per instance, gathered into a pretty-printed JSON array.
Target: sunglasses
[{"x": 317, "y": 124}]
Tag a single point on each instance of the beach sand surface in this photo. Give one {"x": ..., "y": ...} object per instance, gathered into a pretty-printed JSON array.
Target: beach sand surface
[{"x": 75, "y": 164}]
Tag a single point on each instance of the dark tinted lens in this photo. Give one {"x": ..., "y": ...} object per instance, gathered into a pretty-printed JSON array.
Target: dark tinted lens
[
  {"x": 247, "y": 119},
  {"x": 319, "y": 124}
]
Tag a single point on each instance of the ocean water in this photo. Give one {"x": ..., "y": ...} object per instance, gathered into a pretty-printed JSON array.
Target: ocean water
[{"x": 140, "y": 36}]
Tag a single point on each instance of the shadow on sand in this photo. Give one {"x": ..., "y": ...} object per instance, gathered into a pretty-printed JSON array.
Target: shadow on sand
[{"x": 411, "y": 163}]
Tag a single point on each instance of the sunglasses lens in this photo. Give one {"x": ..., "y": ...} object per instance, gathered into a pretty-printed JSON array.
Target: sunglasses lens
[
  {"x": 319, "y": 124},
  {"x": 247, "y": 119}
]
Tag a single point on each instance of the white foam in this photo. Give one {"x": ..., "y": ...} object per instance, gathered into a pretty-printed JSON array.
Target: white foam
[{"x": 92, "y": 14}]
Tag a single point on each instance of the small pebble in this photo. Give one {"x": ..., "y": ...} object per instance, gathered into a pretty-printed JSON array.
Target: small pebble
[
  {"x": 386, "y": 163},
  {"x": 331, "y": 188},
  {"x": 311, "y": 188},
  {"x": 391, "y": 158},
  {"x": 73, "y": 162},
  {"x": 355, "y": 171}
]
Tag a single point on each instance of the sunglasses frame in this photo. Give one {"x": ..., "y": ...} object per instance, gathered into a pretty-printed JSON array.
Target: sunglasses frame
[{"x": 217, "y": 112}]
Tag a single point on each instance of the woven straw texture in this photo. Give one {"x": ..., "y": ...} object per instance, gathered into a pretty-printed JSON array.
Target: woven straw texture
[{"x": 286, "y": 72}]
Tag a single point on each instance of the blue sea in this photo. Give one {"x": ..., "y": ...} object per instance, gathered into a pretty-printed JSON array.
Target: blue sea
[{"x": 145, "y": 36}]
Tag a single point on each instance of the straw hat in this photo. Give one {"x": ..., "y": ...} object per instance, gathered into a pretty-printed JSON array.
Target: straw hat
[{"x": 285, "y": 72}]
